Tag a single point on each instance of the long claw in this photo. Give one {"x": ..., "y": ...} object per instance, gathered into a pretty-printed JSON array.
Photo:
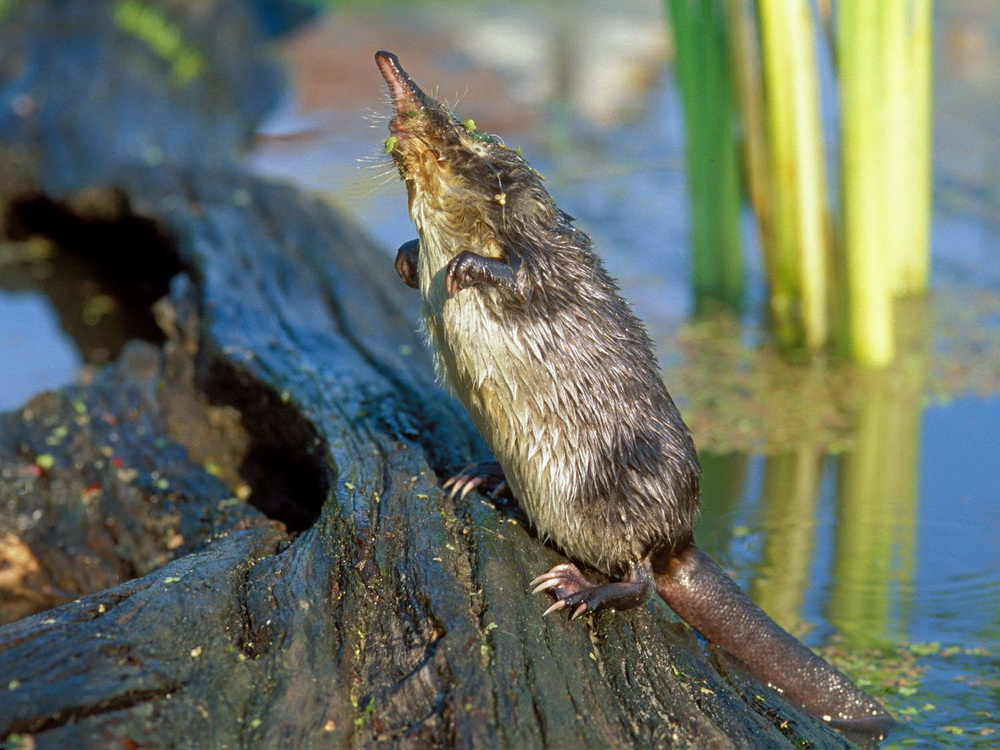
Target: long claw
[
  {"x": 558, "y": 571},
  {"x": 459, "y": 477},
  {"x": 546, "y": 585},
  {"x": 555, "y": 607},
  {"x": 473, "y": 477},
  {"x": 581, "y": 610},
  {"x": 544, "y": 577},
  {"x": 461, "y": 487},
  {"x": 552, "y": 575}
]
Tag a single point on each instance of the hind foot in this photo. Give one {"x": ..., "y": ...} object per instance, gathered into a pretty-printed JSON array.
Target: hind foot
[
  {"x": 487, "y": 477},
  {"x": 572, "y": 589}
]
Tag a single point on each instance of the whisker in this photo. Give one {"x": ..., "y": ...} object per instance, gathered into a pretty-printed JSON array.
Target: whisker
[
  {"x": 371, "y": 175},
  {"x": 374, "y": 116},
  {"x": 374, "y": 160},
  {"x": 361, "y": 191},
  {"x": 373, "y": 189},
  {"x": 459, "y": 98}
]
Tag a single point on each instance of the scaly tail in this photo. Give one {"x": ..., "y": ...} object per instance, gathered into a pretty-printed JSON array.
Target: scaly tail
[{"x": 698, "y": 590}]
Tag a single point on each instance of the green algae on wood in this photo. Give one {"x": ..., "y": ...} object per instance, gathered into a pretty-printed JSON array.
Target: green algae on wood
[{"x": 151, "y": 25}]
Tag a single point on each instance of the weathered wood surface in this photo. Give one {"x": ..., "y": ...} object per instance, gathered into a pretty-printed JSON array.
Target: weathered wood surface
[{"x": 355, "y": 604}]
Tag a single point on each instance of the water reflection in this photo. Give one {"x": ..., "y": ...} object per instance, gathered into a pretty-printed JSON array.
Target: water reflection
[
  {"x": 872, "y": 537},
  {"x": 876, "y": 517},
  {"x": 73, "y": 292},
  {"x": 788, "y": 518},
  {"x": 863, "y": 560}
]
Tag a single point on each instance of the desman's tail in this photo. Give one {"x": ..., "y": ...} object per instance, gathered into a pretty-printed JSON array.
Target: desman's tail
[{"x": 698, "y": 590}]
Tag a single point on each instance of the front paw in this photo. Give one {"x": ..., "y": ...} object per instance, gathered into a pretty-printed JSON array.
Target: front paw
[
  {"x": 460, "y": 272},
  {"x": 406, "y": 263},
  {"x": 487, "y": 477}
]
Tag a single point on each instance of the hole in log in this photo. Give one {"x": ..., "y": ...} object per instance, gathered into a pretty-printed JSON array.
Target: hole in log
[
  {"x": 103, "y": 272},
  {"x": 134, "y": 260},
  {"x": 283, "y": 464}
]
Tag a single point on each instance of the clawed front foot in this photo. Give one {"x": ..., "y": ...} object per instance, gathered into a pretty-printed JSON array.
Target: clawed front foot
[
  {"x": 573, "y": 590},
  {"x": 487, "y": 476},
  {"x": 468, "y": 269}
]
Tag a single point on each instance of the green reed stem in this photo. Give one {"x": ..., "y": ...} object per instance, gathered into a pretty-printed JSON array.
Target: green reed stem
[
  {"x": 895, "y": 134},
  {"x": 712, "y": 149},
  {"x": 905, "y": 32},
  {"x": 748, "y": 86}
]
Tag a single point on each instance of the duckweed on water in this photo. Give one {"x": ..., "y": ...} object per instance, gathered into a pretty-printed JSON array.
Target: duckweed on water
[
  {"x": 895, "y": 675},
  {"x": 390, "y": 144},
  {"x": 758, "y": 399}
]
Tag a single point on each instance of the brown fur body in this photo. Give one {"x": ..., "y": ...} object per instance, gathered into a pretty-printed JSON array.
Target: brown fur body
[{"x": 560, "y": 379}]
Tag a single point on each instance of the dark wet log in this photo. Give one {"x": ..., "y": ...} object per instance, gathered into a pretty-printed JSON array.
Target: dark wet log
[
  {"x": 89, "y": 84},
  {"x": 353, "y": 603}
]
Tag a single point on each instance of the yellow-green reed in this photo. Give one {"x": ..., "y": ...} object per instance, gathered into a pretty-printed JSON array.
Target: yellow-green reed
[
  {"x": 798, "y": 173},
  {"x": 882, "y": 56},
  {"x": 914, "y": 265},
  {"x": 869, "y": 271}
]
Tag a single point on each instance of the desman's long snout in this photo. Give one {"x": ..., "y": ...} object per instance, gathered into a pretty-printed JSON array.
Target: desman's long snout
[{"x": 406, "y": 95}]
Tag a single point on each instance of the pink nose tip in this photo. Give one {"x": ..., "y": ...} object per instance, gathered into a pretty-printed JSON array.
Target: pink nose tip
[{"x": 406, "y": 95}]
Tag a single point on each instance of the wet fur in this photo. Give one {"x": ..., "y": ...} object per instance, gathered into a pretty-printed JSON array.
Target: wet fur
[
  {"x": 560, "y": 376},
  {"x": 561, "y": 380}
]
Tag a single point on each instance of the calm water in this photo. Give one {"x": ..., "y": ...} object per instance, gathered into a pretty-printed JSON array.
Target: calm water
[{"x": 884, "y": 542}]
